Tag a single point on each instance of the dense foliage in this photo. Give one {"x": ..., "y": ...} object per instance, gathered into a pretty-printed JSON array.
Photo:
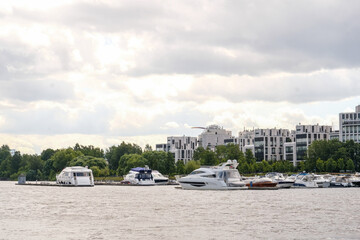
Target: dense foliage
[
  {"x": 332, "y": 156},
  {"x": 322, "y": 156}
]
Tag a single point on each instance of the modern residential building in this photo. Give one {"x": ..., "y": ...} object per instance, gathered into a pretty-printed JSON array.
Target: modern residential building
[
  {"x": 182, "y": 147},
  {"x": 213, "y": 136},
  {"x": 306, "y": 134},
  {"x": 349, "y": 125},
  {"x": 290, "y": 152},
  {"x": 334, "y": 135},
  {"x": 266, "y": 144}
]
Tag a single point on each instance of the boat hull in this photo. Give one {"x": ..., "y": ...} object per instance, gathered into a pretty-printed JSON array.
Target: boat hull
[
  {"x": 261, "y": 184},
  {"x": 203, "y": 185}
]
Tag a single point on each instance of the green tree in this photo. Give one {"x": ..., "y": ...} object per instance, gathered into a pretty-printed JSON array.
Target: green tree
[
  {"x": 331, "y": 165},
  {"x": 341, "y": 164},
  {"x": 130, "y": 161},
  {"x": 170, "y": 167},
  {"x": 350, "y": 165},
  {"x": 208, "y": 158},
  {"x": 114, "y": 153},
  {"x": 95, "y": 170},
  {"x": 320, "y": 167},
  {"x": 180, "y": 167},
  {"x": 266, "y": 166},
  {"x": 15, "y": 162},
  {"x": 191, "y": 166},
  {"x": 198, "y": 153},
  {"x": 62, "y": 158},
  {"x": 47, "y": 154},
  {"x": 147, "y": 148},
  {"x": 89, "y": 150},
  {"x": 4, "y": 153},
  {"x": 249, "y": 157}
]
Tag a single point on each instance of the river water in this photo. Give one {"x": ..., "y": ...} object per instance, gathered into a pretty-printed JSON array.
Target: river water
[{"x": 164, "y": 212}]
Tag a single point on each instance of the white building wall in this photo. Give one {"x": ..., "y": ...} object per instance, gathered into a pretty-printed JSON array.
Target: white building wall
[
  {"x": 306, "y": 134},
  {"x": 182, "y": 147},
  {"x": 213, "y": 136},
  {"x": 266, "y": 144},
  {"x": 349, "y": 125}
]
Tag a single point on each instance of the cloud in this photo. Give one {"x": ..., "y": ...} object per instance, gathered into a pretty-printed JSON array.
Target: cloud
[
  {"x": 131, "y": 69},
  {"x": 170, "y": 125}
]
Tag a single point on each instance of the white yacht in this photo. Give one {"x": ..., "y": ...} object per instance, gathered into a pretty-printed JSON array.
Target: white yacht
[
  {"x": 282, "y": 182},
  {"x": 140, "y": 176},
  {"x": 340, "y": 181},
  {"x": 75, "y": 176},
  {"x": 222, "y": 177},
  {"x": 321, "y": 181},
  {"x": 355, "y": 180},
  {"x": 305, "y": 180},
  {"x": 159, "y": 179}
]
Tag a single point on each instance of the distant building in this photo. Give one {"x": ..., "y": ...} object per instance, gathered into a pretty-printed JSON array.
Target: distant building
[
  {"x": 266, "y": 144},
  {"x": 349, "y": 125},
  {"x": 12, "y": 152},
  {"x": 306, "y": 134},
  {"x": 215, "y": 135},
  {"x": 334, "y": 135},
  {"x": 290, "y": 152},
  {"x": 181, "y": 147}
]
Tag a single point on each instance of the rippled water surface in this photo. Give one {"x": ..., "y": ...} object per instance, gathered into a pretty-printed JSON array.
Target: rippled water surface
[{"x": 163, "y": 212}]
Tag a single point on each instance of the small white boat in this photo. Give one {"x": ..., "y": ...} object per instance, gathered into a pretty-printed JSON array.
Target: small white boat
[
  {"x": 75, "y": 176},
  {"x": 140, "y": 176},
  {"x": 159, "y": 179},
  {"x": 321, "y": 181},
  {"x": 305, "y": 180},
  {"x": 282, "y": 182},
  {"x": 340, "y": 181},
  {"x": 355, "y": 180},
  {"x": 222, "y": 177}
]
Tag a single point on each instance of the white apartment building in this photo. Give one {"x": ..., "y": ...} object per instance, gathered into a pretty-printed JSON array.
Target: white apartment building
[
  {"x": 306, "y": 134},
  {"x": 290, "y": 152},
  {"x": 349, "y": 125},
  {"x": 182, "y": 147},
  {"x": 266, "y": 144},
  {"x": 213, "y": 136}
]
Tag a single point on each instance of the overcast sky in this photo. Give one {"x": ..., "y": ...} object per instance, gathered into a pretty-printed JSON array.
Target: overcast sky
[{"x": 103, "y": 72}]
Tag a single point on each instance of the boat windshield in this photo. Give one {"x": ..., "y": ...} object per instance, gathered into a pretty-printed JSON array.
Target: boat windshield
[
  {"x": 196, "y": 172},
  {"x": 233, "y": 174},
  {"x": 144, "y": 176},
  {"x": 82, "y": 174}
]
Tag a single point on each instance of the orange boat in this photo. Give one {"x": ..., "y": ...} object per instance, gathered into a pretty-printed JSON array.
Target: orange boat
[{"x": 260, "y": 183}]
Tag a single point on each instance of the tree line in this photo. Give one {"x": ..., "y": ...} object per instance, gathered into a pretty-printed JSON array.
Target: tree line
[{"x": 117, "y": 160}]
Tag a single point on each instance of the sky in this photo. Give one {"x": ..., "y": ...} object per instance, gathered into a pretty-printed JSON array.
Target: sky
[{"x": 102, "y": 72}]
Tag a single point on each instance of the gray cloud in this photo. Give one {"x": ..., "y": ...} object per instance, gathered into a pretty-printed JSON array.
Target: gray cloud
[
  {"x": 33, "y": 90},
  {"x": 281, "y": 36},
  {"x": 55, "y": 120}
]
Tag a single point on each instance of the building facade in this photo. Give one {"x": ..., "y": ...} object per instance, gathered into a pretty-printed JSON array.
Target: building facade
[
  {"x": 349, "y": 125},
  {"x": 181, "y": 147},
  {"x": 266, "y": 144},
  {"x": 306, "y": 134},
  {"x": 213, "y": 136}
]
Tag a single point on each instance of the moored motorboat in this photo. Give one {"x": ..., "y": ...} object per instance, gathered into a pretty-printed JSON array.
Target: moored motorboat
[
  {"x": 321, "y": 181},
  {"x": 282, "y": 182},
  {"x": 305, "y": 180},
  {"x": 340, "y": 181},
  {"x": 222, "y": 177},
  {"x": 75, "y": 176},
  {"x": 263, "y": 182},
  {"x": 355, "y": 180},
  {"x": 140, "y": 176},
  {"x": 159, "y": 179}
]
